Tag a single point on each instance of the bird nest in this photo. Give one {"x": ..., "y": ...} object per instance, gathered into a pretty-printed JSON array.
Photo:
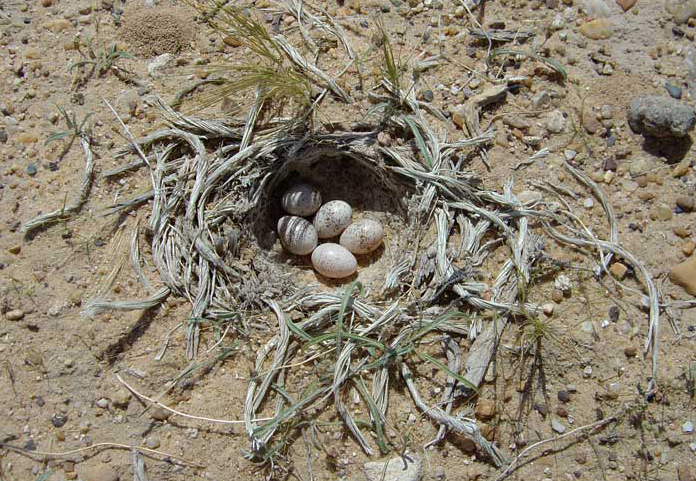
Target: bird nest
[{"x": 213, "y": 208}]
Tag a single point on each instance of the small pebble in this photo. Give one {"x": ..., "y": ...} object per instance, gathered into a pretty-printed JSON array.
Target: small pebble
[
  {"x": 685, "y": 202},
  {"x": 152, "y": 443},
  {"x": 674, "y": 91},
  {"x": 588, "y": 204},
  {"x": 548, "y": 308},
  {"x": 684, "y": 274},
  {"x": 102, "y": 403},
  {"x": 630, "y": 351},
  {"x": 485, "y": 410},
  {"x": 557, "y": 426},
  {"x": 688, "y": 427},
  {"x": 618, "y": 270},
  {"x": 158, "y": 413},
  {"x": 563, "y": 396},
  {"x": 31, "y": 170},
  {"x": 14, "y": 315},
  {"x": 59, "y": 419}
]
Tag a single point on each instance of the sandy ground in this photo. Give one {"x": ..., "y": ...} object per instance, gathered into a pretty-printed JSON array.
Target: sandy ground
[{"x": 59, "y": 390}]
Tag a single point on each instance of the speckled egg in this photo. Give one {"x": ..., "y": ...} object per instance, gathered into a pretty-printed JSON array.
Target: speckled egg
[
  {"x": 333, "y": 260},
  {"x": 363, "y": 236},
  {"x": 297, "y": 234},
  {"x": 332, "y": 218},
  {"x": 302, "y": 200}
]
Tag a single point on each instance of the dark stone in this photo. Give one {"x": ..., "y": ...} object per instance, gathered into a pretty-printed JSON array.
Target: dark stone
[
  {"x": 497, "y": 25},
  {"x": 99, "y": 242},
  {"x": 613, "y": 313},
  {"x": 59, "y": 420},
  {"x": 31, "y": 170},
  {"x": 673, "y": 91},
  {"x": 3, "y": 136},
  {"x": 611, "y": 141},
  {"x": 610, "y": 164},
  {"x": 541, "y": 409},
  {"x": 427, "y": 95},
  {"x": 30, "y": 445},
  {"x": 40, "y": 401},
  {"x": 564, "y": 396}
]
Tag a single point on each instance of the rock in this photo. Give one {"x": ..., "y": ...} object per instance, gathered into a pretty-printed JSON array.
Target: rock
[
  {"x": 14, "y": 315},
  {"x": 121, "y": 397},
  {"x": 485, "y": 410},
  {"x": 684, "y": 472},
  {"x": 158, "y": 64},
  {"x": 685, "y": 202},
  {"x": 31, "y": 170},
  {"x": 557, "y": 426},
  {"x": 563, "y": 283},
  {"x": 100, "y": 472},
  {"x": 681, "y": 11},
  {"x": 563, "y": 396},
  {"x": 673, "y": 91},
  {"x": 656, "y": 116},
  {"x": 662, "y": 212},
  {"x": 427, "y": 95},
  {"x": 59, "y": 419},
  {"x": 158, "y": 413},
  {"x": 681, "y": 169},
  {"x": 688, "y": 427},
  {"x": 599, "y": 29},
  {"x": 517, "y": 122},
  {"x": 626, "y": 5},
  {"x": 3, "y": 136},
  {"x": 630, "y": 351},
  {"x": 102, "y": 403},
  {"x": 152, "y": 443},
  {"x": 439, "y": 473},
  {"x": 548, "y": 308},
  {"x": 618, "y": 270},
  {"x": 528, "y": 197},
  {"x": 590, "y": 122},
  {"x": 557, "y": 296},
  {"x": 684, "y": 274},
  {"x": 555, "y": 122},
  {"x": 407, "y": 468},
  {"x": 588, "y": 203}
]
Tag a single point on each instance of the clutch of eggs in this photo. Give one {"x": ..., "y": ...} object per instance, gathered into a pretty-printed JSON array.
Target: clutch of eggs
[{"x": 300, "y": 237}]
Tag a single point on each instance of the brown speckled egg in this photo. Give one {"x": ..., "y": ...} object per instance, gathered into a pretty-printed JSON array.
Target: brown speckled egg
[
  {"x": 363, "y": 236},
  {"x": 332, "y": 218},
  {"x": 302, "y": 200},
  {"x": 333, "y": 260},
  {"x": 297, "y": 234}
]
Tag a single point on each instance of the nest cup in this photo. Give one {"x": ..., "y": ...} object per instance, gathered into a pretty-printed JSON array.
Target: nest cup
[{"x": 359, "y": 179}]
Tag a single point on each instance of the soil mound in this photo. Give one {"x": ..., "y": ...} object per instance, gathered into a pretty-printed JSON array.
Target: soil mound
[{"x": 155, "y": 31}]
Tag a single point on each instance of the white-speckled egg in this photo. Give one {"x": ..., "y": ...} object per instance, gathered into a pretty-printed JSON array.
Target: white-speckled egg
[
  {"x": 333, "y": 260},
  {"x": 297, "y": 234},
  {"x": 332, "y": 218},
  {"x": 363, "y": 236},
  {"x": 302, "y": 200}
]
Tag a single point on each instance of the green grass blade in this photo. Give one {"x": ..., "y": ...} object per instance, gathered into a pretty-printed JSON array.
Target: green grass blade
[
  {"x": 434, "y": 361},
  {"x": 420, "y": 142}
]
